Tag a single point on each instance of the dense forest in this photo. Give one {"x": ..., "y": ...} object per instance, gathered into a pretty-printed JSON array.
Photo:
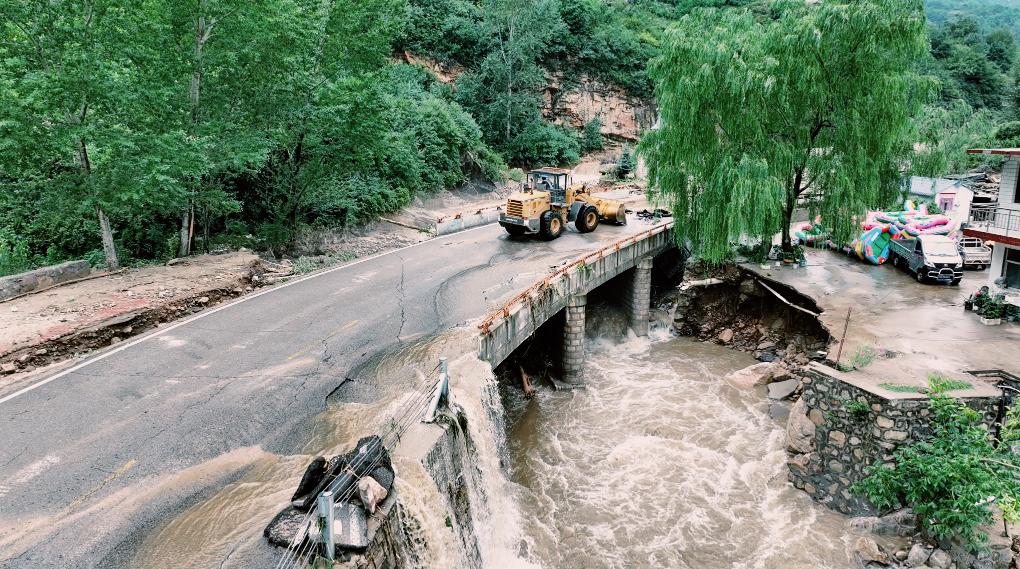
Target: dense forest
[{"x": 137, "y": 132}]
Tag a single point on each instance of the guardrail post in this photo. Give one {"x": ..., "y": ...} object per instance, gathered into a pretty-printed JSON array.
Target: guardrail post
[
  {"x": 325, "y": 506},
  {"x": 442, "y": 393}
]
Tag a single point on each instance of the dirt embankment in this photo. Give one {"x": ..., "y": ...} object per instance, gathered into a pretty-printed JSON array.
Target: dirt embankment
[
  {"x": 733, "y": 307},
  {"x": 66, "y": 321}
]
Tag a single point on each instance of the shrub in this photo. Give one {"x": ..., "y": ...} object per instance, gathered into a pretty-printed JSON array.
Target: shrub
[
  {"x": 627, "y": 164},
  {"x": 14, "y": 258},
  {"x": 952, "y": 479},
  {"x": 543, "y": 144},
  {"x": 591, "y": 137}
]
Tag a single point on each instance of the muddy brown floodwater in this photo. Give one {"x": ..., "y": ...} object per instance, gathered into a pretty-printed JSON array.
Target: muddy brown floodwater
[{"x": 659, "y": 463}]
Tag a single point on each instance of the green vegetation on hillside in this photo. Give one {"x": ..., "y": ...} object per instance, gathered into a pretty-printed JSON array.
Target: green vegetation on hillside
[{"x": 131, "y": 132}]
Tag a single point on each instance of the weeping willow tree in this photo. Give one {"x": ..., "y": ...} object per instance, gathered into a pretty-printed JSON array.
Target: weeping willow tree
[{"x": 811, "y": 100}]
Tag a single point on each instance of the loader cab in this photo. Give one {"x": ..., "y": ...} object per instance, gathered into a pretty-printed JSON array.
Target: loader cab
[{"x": 552, "y": 180}]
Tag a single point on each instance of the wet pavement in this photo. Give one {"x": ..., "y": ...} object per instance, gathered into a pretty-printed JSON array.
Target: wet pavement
[
  {"x": 108, "y": 452},
  {"x": 914, "y": 329}
]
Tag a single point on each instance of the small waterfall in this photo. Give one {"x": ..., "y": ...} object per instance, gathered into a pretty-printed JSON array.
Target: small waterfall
[
  {"x": 494, "y": 508},
  {"x": 458, "y": 508}
]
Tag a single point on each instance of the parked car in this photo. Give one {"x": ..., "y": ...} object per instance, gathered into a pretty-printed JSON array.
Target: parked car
[
  {"x": 974, "y": 252},
  {"x": 929, "y": 257}
]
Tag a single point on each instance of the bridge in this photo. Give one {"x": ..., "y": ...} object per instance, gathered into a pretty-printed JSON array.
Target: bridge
[{"x": 629, "y": 259}]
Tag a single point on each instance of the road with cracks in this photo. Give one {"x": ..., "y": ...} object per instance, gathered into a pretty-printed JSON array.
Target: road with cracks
[{"x": 96, "y": 457}]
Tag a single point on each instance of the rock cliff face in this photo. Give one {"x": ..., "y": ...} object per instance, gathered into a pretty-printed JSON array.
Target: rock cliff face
[{"x": 574, "y": 103}]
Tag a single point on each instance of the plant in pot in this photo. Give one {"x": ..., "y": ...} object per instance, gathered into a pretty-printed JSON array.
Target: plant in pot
[
  {"x": 798, "y": 253},
  {"x": 992, "y": 311},
  {"x": 789, "y": 257}
]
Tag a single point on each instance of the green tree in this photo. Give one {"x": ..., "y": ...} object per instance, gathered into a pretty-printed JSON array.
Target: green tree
[
  {"x": 945, "y": 132},
  {"x": 504, "y": 93},
  {"x": 627, "y": 164},
  {"x": 592, "y": 136},
  {"x": 757, "y": 112},
  {"x": 80, "y": 122},
  {"x": 953, "y": 479}
]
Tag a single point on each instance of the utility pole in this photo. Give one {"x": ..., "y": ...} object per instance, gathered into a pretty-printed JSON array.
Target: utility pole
[{"x": 842, "y": 340}]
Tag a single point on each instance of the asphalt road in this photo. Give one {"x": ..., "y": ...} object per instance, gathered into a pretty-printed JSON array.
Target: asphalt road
[{"x": 103, "y": 453}]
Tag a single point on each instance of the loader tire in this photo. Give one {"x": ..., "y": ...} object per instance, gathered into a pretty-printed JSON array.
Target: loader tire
[
  {"x": 551, "y": 225},
  {"x": 587, "y": 220}
]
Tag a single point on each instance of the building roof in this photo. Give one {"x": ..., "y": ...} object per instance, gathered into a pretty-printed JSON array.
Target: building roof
[
  {"x": 931, "y": 187},
  {"x": 996, "y": 151},
  {"x": 550, "y": 171}
]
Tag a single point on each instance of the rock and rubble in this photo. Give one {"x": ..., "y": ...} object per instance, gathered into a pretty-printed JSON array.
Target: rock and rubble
[{"x": 360, "y": 480}]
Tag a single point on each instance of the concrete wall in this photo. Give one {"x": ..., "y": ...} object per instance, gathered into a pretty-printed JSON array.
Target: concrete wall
[
  {"x": 523, "y": 317},
  {"x": 16, "y": 285},
  {"x": 845, "y": 443},
  {"x": 454, "y": 224},
  {"x": 1007, "y": 184}
]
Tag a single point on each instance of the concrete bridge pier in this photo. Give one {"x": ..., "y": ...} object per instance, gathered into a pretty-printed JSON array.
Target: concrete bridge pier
[
  {"x": 573, "y": 339},
  {"x": 639, "y": 296}
]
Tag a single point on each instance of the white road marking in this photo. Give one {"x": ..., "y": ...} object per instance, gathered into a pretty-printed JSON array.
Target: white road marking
[{"x": 125, "y": 345}]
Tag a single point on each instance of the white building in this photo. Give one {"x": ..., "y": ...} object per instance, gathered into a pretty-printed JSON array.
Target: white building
[
  {"x": 951, "y": 196},
  {"x": 999, "y": 223}
]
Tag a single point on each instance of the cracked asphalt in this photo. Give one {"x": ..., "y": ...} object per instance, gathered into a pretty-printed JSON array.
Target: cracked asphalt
[{"x": 107, "y": 452}]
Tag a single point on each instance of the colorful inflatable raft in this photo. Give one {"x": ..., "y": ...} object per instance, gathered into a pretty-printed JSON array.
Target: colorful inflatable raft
[{"x": 883, "y": 227}]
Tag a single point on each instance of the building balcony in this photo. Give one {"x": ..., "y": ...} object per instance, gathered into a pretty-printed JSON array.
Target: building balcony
[{"x": 994, "y": 223}]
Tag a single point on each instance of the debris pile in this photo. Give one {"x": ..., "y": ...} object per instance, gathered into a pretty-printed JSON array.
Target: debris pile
[{"x": 361, "y": 480}]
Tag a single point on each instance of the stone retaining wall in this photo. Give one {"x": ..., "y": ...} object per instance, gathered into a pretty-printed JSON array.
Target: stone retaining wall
[
  {"x": 837, "y": 431},
  {"x": 19, "y": 284}
]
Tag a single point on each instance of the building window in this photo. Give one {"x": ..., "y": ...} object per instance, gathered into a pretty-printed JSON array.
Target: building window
[{"x": 1011, "y": 270}]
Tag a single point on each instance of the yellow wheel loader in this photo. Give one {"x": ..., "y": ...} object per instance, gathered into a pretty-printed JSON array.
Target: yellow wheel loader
[{"x": 549, "y": 202}]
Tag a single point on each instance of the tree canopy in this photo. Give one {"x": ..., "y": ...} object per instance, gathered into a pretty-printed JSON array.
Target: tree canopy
[{"x": 756, "y": 111}]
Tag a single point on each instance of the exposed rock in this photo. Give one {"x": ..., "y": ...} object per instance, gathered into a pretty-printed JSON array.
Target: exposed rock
[
  {"x": 752, "y": 376},
  {"x": 837, "y": 438},
  {"x": 311, "y": 481},
  {"x": 283, "y": 530},
  {"x": 800, "y": 431},
  {"x": 203, "y": 300},
  {"x": 371, "y": 493},
  {"x": 902, "y": 523},
  {"x": 8, "y": 367},
  {"x": 766, "y": 345},
  {"x": 866, "y": 550},
  {"x": 783, "y": 389},
  {"x": 726, "y": 336},
  {"x": 939, "y": 560},
  {"x": 918, "y": 555},
  {"x": 900, "y": 554},
  {"x": 750, "y": 288}
]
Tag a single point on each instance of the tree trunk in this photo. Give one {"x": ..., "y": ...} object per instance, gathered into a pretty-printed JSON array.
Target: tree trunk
[
  {"x": 202, "y": 32},
  {"x": 787, "y": 222},
  {"x": 792, "y": 193},
  {"x": 109, "y": 250},
  {"x": 185, "y": 249},
  {"x": 106, "y": 233}
]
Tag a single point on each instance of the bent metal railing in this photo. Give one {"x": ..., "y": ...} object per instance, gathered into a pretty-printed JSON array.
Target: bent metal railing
[
  {"x": 543, "y": 284},
  {"x": 998, "y": 220}
]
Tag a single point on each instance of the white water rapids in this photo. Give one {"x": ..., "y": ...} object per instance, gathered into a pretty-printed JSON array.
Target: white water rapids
[{"x": 657, "y": 462}]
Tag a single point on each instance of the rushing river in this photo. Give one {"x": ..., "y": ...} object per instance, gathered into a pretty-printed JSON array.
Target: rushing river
[{"x": 659, "y": 463}]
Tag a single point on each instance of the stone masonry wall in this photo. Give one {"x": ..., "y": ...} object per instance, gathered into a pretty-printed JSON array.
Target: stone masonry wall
[{"x": 837, "y": 431}]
